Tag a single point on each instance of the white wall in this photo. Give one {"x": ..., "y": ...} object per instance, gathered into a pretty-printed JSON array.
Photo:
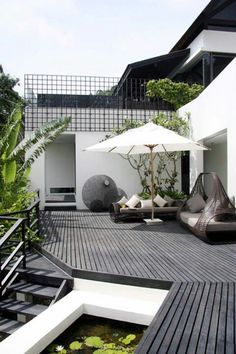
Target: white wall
[
  {"x": 37, "y": 175},
  {"x": 212, "y": 112},
  {"x": 60, "y": 165},
  {"x": 89, "y": 164},
  {"x": 215, "y": 160},
  {"x": 212, "y": 41}
]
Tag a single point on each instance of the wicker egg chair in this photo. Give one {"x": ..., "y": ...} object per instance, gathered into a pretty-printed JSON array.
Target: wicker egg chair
[{"x": 217, "y": 221}]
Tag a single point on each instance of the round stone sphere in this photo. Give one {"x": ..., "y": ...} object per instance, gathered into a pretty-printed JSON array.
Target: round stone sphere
[
  {"x": 121, "y": 193},
  {"x": 99, "y": 192}
]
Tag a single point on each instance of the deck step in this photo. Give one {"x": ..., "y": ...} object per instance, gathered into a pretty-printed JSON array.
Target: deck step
[
  {"x": 8, "y": 326},
  {"x": 21, "y": 307},
  {"x": 38, "y": 290}
]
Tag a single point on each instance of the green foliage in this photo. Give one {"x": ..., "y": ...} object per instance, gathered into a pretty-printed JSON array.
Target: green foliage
[
  {"x": 108, "y": 92},
  {"x": 15, "y": 194},
  {"x": 166, "y": 174},
  {"x": 99, "y": 346},
  {"x": 75, "y": 345},
  {"x": 94, "y": 342},
  {"x": 8, "y": 96},
  {"x": 176, "y": 93},
  {"x": 128, "y": 339},
  {"x": 174, "y": 194}
]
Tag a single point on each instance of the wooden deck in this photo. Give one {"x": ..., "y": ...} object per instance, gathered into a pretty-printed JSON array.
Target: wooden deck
[
  {"x": 199, "y": 313},
  {"x": 84, "y": 243}
]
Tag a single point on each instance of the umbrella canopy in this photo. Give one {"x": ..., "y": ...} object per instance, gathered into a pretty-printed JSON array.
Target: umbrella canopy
[
  {"x": 147, "y": 139},
  {"x": 138, "y": 140}
]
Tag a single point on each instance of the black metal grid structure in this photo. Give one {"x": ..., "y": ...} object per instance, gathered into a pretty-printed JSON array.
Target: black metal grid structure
[{"x": 93, "y": 103}]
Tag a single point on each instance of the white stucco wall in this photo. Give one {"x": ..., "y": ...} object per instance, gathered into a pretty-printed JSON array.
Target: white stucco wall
[
  {"x": 60, "y": 165},
  {"x": 215, "y": 160},
  {"x": 37, "y": 175},
  {"x": 212, "y": 112},
  {"x": 89, "y": 164},
  {"x": 212, "y": 41}
]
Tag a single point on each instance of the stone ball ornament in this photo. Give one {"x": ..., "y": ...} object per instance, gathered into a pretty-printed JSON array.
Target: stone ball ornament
[{"x": 99, "y": 192}]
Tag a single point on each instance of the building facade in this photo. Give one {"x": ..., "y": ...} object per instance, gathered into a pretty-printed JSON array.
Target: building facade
[{"x": 204, "y": 55}]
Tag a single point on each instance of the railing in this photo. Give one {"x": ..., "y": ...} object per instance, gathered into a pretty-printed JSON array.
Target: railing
[
  {"x": 14, "y": 241},
  {"x": 93, "y": 103},
  {"x": 10, "y": 259}
]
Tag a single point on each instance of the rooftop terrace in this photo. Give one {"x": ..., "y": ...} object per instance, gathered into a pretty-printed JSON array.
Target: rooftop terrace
[{"x": 198, "y": 315}]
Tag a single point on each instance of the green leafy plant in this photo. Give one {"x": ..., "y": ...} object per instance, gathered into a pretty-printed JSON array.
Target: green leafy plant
[
  {"x": 16, "y": 158},
  {"x": 9, "y": 98},
  {"x": 166, "y": 174},
  {"x": 176, "y": 93},
  {"x": 97, "y": 345}
]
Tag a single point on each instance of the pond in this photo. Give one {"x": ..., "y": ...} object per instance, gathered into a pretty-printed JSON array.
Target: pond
[{"x": 90, "y": 334}]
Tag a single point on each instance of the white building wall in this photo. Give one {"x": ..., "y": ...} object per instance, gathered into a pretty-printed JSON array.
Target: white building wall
[
  {"x": 60, "y": 166},
  {"x": 212, "y": 112},
  {"x": 37, "y": 175},
  {"x": 89, "y": 164},
  {"x": 212, "y": 41}
]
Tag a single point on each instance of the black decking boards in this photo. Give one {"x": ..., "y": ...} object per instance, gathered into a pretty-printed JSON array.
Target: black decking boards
[
  {"x": 198, "y": 314},
  {"x": 92, "y": 243},
  {"x": 195, "y": 318}
]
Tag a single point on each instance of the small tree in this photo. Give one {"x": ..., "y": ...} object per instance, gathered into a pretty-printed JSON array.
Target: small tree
[
  {"x": 176, "y": 93},
  {"x": 166, "y": 174},
  {"x": 8, "y": 96}
]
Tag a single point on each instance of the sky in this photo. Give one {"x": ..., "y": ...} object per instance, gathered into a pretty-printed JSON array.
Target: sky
[{"x": 89, "y": 37}]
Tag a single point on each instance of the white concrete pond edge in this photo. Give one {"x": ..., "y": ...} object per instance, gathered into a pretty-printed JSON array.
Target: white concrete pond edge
[{"x": 119, "y": 302}]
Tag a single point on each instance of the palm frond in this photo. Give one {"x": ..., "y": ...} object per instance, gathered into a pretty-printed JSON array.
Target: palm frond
[{"x": 48, "y": 132}]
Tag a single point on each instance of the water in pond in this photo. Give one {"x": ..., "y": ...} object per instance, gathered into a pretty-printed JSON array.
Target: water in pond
[{"x": 90, "y": 334}]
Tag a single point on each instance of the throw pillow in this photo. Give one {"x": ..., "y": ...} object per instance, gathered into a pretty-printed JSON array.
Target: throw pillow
[
  {"x": 133, "y": 201},
  {"x": 169, "y": 200},
  {"x": 146, "y": 203},
  {"x": 196, "y": 203},
  {"x": 122, "y": 201},
  {"x": 160, "y": 201}
]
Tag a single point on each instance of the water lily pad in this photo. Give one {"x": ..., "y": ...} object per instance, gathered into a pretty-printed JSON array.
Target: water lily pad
[
  {"x": 75, "y": 345},
  {"x": 109, "y": 346},
  {"x": 95, "y": 342},
  {"x": 110, "y": 351},
  {"x": 128, "y": 339}
]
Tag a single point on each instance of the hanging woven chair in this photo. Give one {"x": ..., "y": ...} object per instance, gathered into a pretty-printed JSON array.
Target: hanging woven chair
[{"x": 216, "y": 222}]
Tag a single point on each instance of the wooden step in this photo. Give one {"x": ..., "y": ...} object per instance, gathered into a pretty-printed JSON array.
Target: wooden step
[
  {"x": 21, "y": 307},
  {"x": 8, "y": 326},
  {"x": 38, "y": 290}
]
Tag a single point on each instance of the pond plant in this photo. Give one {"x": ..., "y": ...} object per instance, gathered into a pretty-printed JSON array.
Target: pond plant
[{"x": 96, "y": 345}]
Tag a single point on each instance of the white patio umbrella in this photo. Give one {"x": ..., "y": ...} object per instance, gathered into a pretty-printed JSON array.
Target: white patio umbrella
[{"x": 147, "y": 139}]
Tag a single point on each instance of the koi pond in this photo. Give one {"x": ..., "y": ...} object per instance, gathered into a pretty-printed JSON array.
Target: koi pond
[{"x": 90, "y": 334}]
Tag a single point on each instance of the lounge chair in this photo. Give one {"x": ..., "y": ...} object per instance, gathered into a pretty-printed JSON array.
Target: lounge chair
[{"x": 210, "y": 218}]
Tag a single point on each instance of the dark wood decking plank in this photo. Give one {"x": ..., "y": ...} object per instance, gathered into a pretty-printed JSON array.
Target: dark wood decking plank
[
  {"x": 203, "y": 338},
  {"x": 212, "y": 336},
  {"x": 197, "y": 269},
  {"x": 185, "y": 326},
  {"x": 193, "y": 319},
  {"x": 168, "y": 330},
  {"x": 198, "y": 322},
  {"x": 162, "y": 252},
  {"x": 222, "y": 324},
  {"x": 157, "y": 322},
  {"x": 231, "y": 312}
]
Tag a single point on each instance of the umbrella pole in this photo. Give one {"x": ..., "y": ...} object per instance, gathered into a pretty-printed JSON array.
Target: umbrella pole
[{"x": 151, "y": 147}]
